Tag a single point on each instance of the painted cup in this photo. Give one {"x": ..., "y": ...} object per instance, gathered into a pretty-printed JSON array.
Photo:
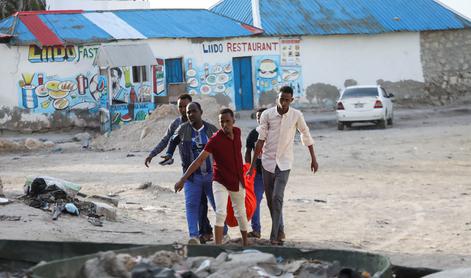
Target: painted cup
[{"x": 30, "y": 99}]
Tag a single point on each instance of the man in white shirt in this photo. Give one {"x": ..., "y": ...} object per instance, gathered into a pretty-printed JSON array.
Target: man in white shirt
[{"x": 276, "y": 137}]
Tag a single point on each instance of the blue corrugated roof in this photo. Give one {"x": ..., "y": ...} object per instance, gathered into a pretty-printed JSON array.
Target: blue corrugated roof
[
  {"x": 182, "y": 24},
  {"x": 74, "y": 27},
  {"x": 330, "y": 17},
  {"x": 237, "y": 9}
]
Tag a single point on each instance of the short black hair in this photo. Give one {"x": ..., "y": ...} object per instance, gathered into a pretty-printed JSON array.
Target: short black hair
[
  {"x": 186, "y": 96},
  {"x": 226, "y": 111},
  {"x": 286, "y": 89},
  {"x": 260, "y": 110},
  {"x": 197, "y": 104}
]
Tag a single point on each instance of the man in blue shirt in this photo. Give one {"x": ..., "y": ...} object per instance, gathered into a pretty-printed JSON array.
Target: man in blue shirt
[
  {"x": 191, "y": 137},
  {"x": 205, "y": 230}
]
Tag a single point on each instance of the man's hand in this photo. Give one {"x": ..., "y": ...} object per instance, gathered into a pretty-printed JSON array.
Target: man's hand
[
  {"x": 148, "y": 160},
  {"x": 250, "y": 171},
  {"x": 314, "y": 166},
  {"x": 179, "y": 185}
]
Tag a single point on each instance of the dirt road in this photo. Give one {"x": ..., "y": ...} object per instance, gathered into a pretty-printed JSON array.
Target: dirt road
[{"x": 404, "y": 191}]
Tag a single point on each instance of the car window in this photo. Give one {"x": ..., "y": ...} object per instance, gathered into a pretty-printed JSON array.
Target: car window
[{"x": 360, "y": 92}]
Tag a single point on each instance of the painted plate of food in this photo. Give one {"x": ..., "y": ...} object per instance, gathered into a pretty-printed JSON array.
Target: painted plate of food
[
  {"x": 211, "y": 79},
  {"x": 61, "y": 104},
  {"x": 217, "y": 69},
  {"x": 67, "y": 86},
  {"x": 205, "y": 89},
  {"x": 58, "y": 94},
  {"x": 220, "y": 88},
  {"x": 42, "y": 91},
  {"x": 222, "y": 78},
  {"x": 191, "y": 73},
  {"x": 228, "y": 68},
  {"x": 193, "y": 82},
  {"x": 290, "y": 74},
  {"x": 52, "y": 85}
]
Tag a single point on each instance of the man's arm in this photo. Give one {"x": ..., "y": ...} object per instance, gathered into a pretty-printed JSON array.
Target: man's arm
[
  {"x": 262, "y": 136},
  {"x": 307, "y": 140},
  {"x": 248, "y": 155},
  {"x": 249, "y": 146},
  {"x": 193, "y": 167},
  {"x": 163, "y": 142}
]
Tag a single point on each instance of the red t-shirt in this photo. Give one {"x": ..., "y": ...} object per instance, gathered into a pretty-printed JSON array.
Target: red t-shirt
[{"x": 227, "y": 157}]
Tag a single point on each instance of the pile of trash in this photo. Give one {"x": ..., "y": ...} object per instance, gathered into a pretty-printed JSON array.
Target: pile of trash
[
  {"x": 59, "y": 196},
  {"x": 246, "y": 264},
  {"x": 144, "y": 135}
]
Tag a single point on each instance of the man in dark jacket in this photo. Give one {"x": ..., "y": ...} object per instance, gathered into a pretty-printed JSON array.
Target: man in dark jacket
[
  {"x": 192, "y": 137},
  {"x": 205, "y": 230}
]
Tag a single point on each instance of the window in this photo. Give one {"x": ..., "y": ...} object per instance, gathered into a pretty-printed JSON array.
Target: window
[
  {"x": 360, "y": 92},
  {"x": 139, "y": 74}
]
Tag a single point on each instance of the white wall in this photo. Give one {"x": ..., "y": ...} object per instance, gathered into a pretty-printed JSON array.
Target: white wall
[
  {"x": 8, "y": 70},
  {"x": 91, "y": 5},
  {"x": 333, "y": 59}
]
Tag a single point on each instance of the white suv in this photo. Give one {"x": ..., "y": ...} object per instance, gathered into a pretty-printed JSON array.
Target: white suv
[{"x": 364, "y": 104}]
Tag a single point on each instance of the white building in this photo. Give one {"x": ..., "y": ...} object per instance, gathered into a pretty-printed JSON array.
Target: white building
[
  {"x": 62, "y": 68},
  {"x": 99, "y": 5}
]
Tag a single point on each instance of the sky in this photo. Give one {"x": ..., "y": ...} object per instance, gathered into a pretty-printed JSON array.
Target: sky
[{"x": 462, "y": 6}]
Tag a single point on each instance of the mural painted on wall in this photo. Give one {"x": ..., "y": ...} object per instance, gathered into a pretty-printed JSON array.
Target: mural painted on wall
[
  {"x": 290, "y": 52},
  {"x": 131, "y": 101},
  {"x": 122, "y": 114},
  {"x": 271, "y": 76},
  {"x": 158, "y": 75},
  {"x": 209, "y": 79},
  {"x": 68, "y": 53},
  {"x": 48, "y": 94},
  {"x": 124, "y": 90}
]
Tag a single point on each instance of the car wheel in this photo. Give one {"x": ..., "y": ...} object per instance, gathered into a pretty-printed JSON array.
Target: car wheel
[
  {"x": 340, "y": 126},
  {"x": 382, "y": 124}
]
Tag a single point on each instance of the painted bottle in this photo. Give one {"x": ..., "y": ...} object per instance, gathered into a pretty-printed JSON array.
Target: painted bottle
[
  {"x": 40, "y": 79},
  {"x": 127, "y": 77},
  {"x": 132, "y": 100},
  {"x": 206, "y": 70}
]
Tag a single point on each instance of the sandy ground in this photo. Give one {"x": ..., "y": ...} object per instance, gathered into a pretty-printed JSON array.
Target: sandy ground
[{"x": 404, "y": 192}]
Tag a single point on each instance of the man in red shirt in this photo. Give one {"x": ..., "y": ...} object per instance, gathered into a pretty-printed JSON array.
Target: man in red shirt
[{"x": 228, "y": 178}]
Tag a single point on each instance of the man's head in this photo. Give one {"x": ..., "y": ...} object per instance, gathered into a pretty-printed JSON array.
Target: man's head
[
  {"x": 285, "y": 97},
  {"x": 194, "y": 112},
  {"x": 182, "y": 102},
  {"x": 259, "y": 114},
  {"x": 226, "y": 120}
]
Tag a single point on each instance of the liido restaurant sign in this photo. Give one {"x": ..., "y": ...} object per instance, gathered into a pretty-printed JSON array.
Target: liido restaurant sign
[{"x": 234, "y": 47}]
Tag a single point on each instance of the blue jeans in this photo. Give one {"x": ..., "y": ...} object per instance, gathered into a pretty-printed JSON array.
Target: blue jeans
[
  {"x": 204, "y": 224},
  {"x": 259, "y": 189},
  {"x": 193, "y": 191}
]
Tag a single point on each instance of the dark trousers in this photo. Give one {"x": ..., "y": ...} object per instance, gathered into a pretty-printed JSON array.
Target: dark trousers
[
  {"x": 275, "y": 184},
  {"x": 204, "y": 224}
]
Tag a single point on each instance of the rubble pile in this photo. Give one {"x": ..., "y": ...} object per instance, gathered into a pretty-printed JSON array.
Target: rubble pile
[
  {"x": 144, "y": 135},
  {"x": 28, "y": 144},
  {"x": 244, "y": 264},
  {"x": 59, "y": 196}
]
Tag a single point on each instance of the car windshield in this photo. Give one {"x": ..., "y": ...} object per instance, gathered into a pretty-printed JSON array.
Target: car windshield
[{"x": 360, "y": 92}]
